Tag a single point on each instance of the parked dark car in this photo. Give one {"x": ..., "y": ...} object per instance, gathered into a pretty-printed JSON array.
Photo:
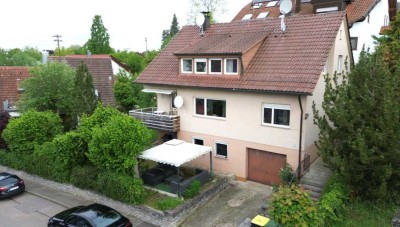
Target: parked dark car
[
  {"x": 94, "y": 215},
  {"x": 10, "y": 184}
]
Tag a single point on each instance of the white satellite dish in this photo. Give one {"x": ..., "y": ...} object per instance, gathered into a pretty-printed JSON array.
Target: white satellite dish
[
  {"x": 200, "y": 19},
  {"x": 178, "y": 101},
  {"x": 285, "y": 7}
]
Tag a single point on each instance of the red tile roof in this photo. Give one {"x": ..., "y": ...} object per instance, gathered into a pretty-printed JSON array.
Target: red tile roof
[
  {"x": 10, "y": 77},
  {"x": 356, "y": 10},
  {"x": 289, "y": 62},
  {"x": 101, "y": 69}
]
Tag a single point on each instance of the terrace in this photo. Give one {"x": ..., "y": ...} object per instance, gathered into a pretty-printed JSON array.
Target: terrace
[{"x": 158, "y": 119}]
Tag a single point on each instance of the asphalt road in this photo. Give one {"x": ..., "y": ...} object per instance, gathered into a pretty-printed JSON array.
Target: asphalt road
[{"x": 27, "y": 210}]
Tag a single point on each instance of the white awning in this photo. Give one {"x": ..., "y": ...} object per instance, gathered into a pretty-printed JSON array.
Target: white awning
[
  {"x": 158, "y": 91},
  {"x": 175, "y": 152}
]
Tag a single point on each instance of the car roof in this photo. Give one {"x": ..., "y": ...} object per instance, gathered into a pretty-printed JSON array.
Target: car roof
[
  {"x": 95, "y": 210},
  {"x": 4, "y": 175}
]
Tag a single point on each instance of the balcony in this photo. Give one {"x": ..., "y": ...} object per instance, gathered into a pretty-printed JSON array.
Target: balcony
[{"x": 157, "y": 119}]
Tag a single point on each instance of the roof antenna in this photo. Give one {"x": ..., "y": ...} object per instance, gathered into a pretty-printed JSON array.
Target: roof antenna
[
  {"x": 200, "y": 19},
  {"x": 285, "y": 7}
]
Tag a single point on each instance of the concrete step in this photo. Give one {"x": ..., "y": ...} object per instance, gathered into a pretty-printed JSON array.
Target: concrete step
[
  {"x": 313, "y": 182},
  {"x": 311, "y": 188}
]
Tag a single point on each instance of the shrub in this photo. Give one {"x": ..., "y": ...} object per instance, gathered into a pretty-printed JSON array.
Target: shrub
[
  {"x": 332, "y": 205},
  {"x": 4, "y": 119},
  {"x": 168, "y": 203},
  {"x": 286, "y": 174},
  {"x": 84, "y": 177},
  {"x": 192, "y": 190},
  {"x": 292, "y": 206},
  {"x": 43, "y": 163},
  {"x": 31, "y": 129},
  {"x": 121, "y": 187}
]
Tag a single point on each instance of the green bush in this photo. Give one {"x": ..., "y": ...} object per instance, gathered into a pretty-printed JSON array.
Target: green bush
[
  {"x": 31, "y": 129},
  {"x": 192, "y": 190},
  {"x": 168, "y": 203},
  {"x": 121, "y": 187},
  {"x": 84, "y": 177},
  {"x": 292, "y": 206},
  {"x": 332, "y": 205},
  {"x": 286, "y": 174}
]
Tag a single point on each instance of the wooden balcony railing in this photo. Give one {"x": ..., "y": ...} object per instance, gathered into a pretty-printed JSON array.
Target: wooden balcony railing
[{"x": 158, "y": 119}]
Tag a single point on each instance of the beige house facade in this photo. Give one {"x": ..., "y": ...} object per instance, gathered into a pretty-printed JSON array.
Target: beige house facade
[{"x": 253, "y": 128}]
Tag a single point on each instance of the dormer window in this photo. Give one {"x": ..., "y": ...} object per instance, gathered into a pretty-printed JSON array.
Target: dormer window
[
  {"x": 187, "y": 65},
  {"x": 231, "y": 66},
  {"x": 215, "y": 65},
  {"x": 247, "y": 16},
  {"x": 200, "y": 65}
]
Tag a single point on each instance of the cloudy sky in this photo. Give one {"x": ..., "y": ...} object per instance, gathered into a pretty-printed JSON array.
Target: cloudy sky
[{"x": 129, "y": 22}]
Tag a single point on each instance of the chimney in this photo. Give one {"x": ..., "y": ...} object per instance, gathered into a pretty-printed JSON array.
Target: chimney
[
  {"x": 207, "y": 21},
  {"x": 89, "y": 53},
  {"x": 45, "y": 56},
  {"x": 298, "y": 6}
]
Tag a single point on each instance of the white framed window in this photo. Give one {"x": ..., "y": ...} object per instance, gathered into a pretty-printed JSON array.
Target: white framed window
[
  {"x": 257, "y": 5},
  {"x": 221, "y": 149},
  {"x": 276, "y": 115},
  {"x": 200, "y": 65},
  {"x": 247, "y": 16},
  {"x": 187, "y": 65},
  {"x": 210, "y": 107},
  {"x": 271, "y": 4},
  {"x": 262, "y": 15},
  {"x": 215, "y": 65},
  {"x": 354, "y": 42},
  {"x": 231, "y": 66},
  {"x": 198, "y": 141},
  {"x": 340, "y": 64}
]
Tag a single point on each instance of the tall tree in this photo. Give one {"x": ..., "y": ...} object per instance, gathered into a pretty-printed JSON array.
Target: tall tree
[
  {"x": 50, "y": 87},
  {"x": 360, "y": 129},
  {"x": 133, "y": 60},
  {"x": 167, "y": 35},
  {"x": 84, "y": 91},
  {"x": 214, "y": 7},
  {"x": 17, "y": 57},
  {"x": 99, "y": 43}
]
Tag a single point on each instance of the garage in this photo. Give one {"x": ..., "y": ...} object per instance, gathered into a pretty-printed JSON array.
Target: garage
[{"x": 263, "y": 166}]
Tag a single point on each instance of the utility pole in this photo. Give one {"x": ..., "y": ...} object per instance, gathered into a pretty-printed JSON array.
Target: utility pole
[{"x": 58, "y": 40}]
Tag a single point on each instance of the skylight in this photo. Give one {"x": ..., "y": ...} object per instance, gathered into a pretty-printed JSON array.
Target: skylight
[
  {"x": 271, "y": 4},
  {"x": 262, "y": 15},
  {"x": 247, "y": 16},
  {"x": 257, "y": 5}
]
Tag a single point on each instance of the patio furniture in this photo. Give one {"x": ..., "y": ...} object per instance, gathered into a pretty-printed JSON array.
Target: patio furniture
[
  {"x": 201, "y": 175},
  {"x": 156, "y": 175}
]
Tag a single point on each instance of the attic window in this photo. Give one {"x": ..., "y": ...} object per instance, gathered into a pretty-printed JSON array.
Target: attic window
[
  {"x": 257, "y": 5},
  {"x": 231, "y": 66},
  {"x": 187, "y": 66},
  {"x": 272, "y": 4},
  {"x": 327, "y": 9},
  {"x": 215, "y": 65},
  {"x": 247, "y": 16},
  {"x": 200, "y": 65},
  {"x": 262, "y": 15}
]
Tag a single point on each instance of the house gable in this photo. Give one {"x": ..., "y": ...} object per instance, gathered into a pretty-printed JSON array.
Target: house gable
[{"x": 10, "y": 78}]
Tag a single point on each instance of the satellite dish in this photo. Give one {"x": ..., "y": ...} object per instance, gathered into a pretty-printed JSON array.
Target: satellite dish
[
  {"x": 178, "y": 101},
  {"x": 285, "y": 7},
  {"x": 200, "y": 19}
]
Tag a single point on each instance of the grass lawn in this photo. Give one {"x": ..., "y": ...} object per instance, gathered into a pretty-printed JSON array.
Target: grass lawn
[{"x": 368, "y": 214}]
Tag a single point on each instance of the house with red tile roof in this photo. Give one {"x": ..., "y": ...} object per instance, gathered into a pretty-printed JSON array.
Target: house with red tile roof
[
  {"x": 365, "y": 17},
  {"x": 246, "y": 89},
  {"x": 103, "y": 67},
  {"x": 10, "y": 78}
]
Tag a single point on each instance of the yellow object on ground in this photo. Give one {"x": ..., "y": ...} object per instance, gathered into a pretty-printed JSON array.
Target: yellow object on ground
[{"x": 260, "y": 220}]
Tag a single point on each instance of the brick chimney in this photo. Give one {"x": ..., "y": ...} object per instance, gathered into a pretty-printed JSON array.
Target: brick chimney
[
  {"x": 207, "y": 21},
  {"x": 298, "y": 6}
]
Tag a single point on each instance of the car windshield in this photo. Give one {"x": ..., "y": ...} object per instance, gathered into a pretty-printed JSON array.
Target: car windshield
[
  {"x": 8, "y": 181},
  {"x": 106, "y": 219}
]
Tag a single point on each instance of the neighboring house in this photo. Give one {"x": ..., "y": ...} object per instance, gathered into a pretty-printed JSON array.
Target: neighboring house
[
  {"x": 365, "y": 17},
  {"x": 246, "y": 89},
  {"x": 10, "y": 78},
  {"x": 102, "y": 67}
]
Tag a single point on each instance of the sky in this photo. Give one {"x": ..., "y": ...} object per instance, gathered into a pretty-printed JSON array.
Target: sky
[{"x": 129, "y": 22}]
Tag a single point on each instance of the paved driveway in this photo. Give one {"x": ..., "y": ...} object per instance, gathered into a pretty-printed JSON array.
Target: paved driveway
[{"x": 240, "y": 200}]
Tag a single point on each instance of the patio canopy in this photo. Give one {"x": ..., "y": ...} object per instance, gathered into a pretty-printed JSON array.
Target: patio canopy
[{"x": 175, "y": 152}]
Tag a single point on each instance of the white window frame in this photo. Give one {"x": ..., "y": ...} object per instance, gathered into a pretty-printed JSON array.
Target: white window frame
[
  {"x": 237, "y": 66},
  {"x": 257, "y": 5},
  {"x": 197, "y": 138},
  {"x": 205, "y": 108},
  {"x": 340, "y": 64},
  {"x": 247, "y": 16},
  {"x": 215, "y": 149},
  {"x": 274, "y": 107},
  {"x": 203, "y": 60},
  {"x": 182, "y": 68},
  {"x": 271, "y": 4},
  {"x": 263, "y": 15},
  {"x": 209, "y": 63}
]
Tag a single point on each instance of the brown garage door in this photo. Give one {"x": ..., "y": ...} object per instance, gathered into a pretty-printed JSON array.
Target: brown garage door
[{"x": 263, "y": 166}]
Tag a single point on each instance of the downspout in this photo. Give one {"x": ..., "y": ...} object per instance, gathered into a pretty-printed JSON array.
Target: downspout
[{"x": 301, "y": 135}]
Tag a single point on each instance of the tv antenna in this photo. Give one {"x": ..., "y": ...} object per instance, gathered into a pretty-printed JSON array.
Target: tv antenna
[
  {"x": 200, "y": 18},
  {"x": 285, "y": 7}
]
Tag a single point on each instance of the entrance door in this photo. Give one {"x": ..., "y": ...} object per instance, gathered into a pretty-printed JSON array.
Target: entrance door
[{"x": 264, "y": 166}]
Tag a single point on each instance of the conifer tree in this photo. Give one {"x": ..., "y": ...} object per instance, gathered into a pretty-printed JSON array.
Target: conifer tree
[
  {"x": 86, "y": 99},
  {"x": 99, "y": 42}
]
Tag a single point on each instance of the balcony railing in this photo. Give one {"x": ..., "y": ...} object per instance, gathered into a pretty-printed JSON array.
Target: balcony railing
[{"x": 158, "y": 119}]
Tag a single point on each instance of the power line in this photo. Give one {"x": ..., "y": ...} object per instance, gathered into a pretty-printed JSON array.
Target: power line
[{"x": 58, "y": 40}]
